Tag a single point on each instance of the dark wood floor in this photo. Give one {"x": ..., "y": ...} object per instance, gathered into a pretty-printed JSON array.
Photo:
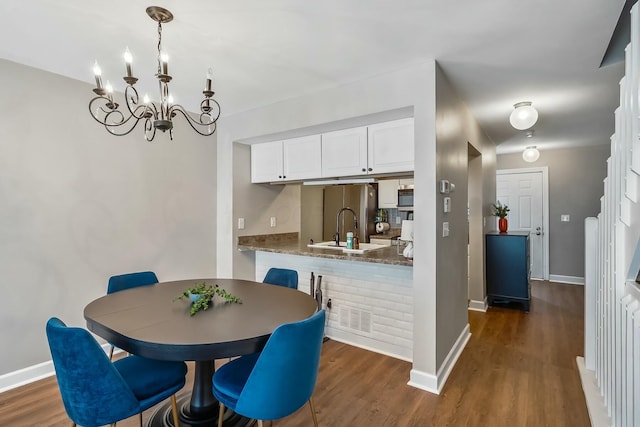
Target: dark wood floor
[{"x": 518, "y": 369}]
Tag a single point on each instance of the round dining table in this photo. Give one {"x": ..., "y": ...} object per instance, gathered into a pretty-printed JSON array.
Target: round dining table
[{"x": 150, "y": 321}]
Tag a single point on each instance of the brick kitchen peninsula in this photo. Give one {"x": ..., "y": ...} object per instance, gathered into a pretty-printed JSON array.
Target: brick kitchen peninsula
[{"x": 370, "y": 295}]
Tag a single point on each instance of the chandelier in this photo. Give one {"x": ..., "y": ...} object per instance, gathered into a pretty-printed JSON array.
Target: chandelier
[{"x": 156, "y": 116}]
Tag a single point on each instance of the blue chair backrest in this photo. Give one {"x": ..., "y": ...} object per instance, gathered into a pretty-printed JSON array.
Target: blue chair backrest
[
  {"x": 131, "y": 280},
  {"x": 93, "y": 391},
  {"x": 285, "y": 374},
  {"x": 282, "y": 277}
]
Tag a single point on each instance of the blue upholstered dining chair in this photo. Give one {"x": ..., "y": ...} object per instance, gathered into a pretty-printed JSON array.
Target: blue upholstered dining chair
[
  {"x": 131, "y": 280},
  {"x": 282, "y": 277},
  {"x": 128, "y": 281},
  {"x": 96, "y": 391},
  {"x": 277, "y": 381}
]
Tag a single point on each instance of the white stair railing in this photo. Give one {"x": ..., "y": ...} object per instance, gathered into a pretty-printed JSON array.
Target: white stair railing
[{"x": 612, "y": 260}]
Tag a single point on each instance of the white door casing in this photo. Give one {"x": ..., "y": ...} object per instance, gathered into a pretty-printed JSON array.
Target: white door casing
[{"x": 526, "y": 193}]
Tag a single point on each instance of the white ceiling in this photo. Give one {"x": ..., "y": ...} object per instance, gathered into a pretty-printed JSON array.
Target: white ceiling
[{"x": 495, "y": 52}]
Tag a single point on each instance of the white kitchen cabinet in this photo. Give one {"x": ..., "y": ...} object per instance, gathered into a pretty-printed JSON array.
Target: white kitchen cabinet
[
  {"x": 288, "y": 160},
  {"x": 302, "y": 158},
  {"x": 344, "y": 152},
  {"x": 266, "y": 162},
  {"x": 391, "y": 147},
  {"x": 388, "y": 193}
]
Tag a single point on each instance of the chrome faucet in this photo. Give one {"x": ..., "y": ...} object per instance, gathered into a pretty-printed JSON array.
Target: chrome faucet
[{"x": 355, "y": 223}]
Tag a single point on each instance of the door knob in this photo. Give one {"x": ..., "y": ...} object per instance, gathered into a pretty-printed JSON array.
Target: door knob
[{"x": 538, "y": 231}]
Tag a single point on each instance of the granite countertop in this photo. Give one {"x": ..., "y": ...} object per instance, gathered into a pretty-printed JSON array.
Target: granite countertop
[{"x": 289, "y": 243}]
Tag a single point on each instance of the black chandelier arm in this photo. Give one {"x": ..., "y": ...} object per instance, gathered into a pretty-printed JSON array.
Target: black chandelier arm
[
  {"x": 149, "y": 129},
  {"x": 133, "y": 99},
  {"x": 205, "y": 107},
  {"x": 112, "y": 118},
  {"x": 176, "y": 108}
]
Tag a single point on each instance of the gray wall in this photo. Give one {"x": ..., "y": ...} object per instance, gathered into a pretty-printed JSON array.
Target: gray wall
[
  {"x": 455, "y": 130},
  {"x": 79, "y": 205},
  {"x": 575, "y": 186},
  {"x": 257, "y": 203}
]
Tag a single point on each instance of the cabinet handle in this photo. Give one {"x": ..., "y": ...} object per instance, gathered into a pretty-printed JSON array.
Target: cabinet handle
[
  {"x": 280, "y": 176},
  {"x": 284, "y": 176},
  {"x": 364, "y": 170},
  {"x": 370, "y": 169}
]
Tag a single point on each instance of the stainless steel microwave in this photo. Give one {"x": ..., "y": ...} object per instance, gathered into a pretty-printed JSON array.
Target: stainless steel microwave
[{"x": 405, "y": 199}]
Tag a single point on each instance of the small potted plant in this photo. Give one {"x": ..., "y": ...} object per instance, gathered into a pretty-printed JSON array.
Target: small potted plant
[
  {"x": 201, "y": 296},
  {"x": 501, "y": 211}
]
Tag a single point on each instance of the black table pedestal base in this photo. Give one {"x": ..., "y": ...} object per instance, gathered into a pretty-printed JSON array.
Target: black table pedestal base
[{"x": 162, "y": 417}]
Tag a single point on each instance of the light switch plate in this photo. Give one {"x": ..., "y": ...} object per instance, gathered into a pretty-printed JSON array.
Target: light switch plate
[
  {"x": 447, "y": 204},
  {"x": 240, "y": 223},
  {"x": 565, "y": 218},
  {"x": 398, "y": 220},
  {"x": 445, "y": 229},
  {"x": 273, "y": 221}
]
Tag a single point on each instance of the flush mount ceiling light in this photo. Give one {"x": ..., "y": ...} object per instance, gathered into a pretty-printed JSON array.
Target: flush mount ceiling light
[
  {"x": 523, "y": 116},
  {"x": 530, "y": 154},
  {"x": 158, "y": 116}
]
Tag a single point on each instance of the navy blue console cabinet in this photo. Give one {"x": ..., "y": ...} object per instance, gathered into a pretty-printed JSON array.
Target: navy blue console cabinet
[{"x": 507, "y": 268}]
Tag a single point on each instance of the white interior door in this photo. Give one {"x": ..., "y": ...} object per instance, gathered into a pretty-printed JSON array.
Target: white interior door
[{"x": 524, "y": 191}]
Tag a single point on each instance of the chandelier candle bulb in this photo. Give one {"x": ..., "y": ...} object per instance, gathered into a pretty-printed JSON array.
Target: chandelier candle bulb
[
  {"x": 209, "y": 78},
  {"x": 97, "y": 72},
  {"x": 164, "y": 59},
  {"x": 128, "y": 59}
]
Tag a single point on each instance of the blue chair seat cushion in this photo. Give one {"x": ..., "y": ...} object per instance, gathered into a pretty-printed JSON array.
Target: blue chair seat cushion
[
  {"x": 231, "y": 377},
  {"x": 148, "y": 378}
]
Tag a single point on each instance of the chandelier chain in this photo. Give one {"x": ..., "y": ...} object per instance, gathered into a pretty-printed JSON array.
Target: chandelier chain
[{"x": 159, "y": 46}]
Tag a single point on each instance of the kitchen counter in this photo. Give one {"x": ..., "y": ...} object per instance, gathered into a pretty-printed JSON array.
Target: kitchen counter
[{"x": 289, "y": 243}]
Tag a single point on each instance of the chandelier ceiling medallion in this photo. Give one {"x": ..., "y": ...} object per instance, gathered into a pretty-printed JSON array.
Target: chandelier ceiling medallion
[{"x": 120, "y": 121}]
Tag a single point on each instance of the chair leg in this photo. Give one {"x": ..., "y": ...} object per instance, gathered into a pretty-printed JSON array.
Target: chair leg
[
  {"x": 111, "y": 353},
  {"x": 174, "y": 410},
  {"x": 259, "y": 423},
  {"x": 221, "y": 414},
  {"x": 313, "y": 412},
  {"x": 140, "y": 418}
]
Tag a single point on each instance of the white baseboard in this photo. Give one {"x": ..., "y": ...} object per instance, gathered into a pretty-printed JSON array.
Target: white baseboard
[
  {"x": 34, "y": 373},
  {"x": 25, "y": 376},
  {"x": 572, "y": 280},
  {"x": 434, "y": 383},
  {"x": 478, "y": 305},
  {"x": 368, "y": 348},
  {"x": 595, "y": 402}
]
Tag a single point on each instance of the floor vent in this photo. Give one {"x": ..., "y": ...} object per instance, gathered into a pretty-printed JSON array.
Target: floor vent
[{"x": 355, "y": 319}]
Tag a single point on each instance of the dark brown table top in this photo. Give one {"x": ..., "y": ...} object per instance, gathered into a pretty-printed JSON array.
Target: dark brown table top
[{"x": 147, "y": 321}]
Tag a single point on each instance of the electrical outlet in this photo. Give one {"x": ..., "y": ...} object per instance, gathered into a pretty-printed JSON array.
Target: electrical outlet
[
  {"x": 565, "y": 218},
  {"x": 240, "y": 223},
  {"x": 398, "y": 220},
  {"x": 273, "y": 221},
  {"x": 445, "y": 229}
]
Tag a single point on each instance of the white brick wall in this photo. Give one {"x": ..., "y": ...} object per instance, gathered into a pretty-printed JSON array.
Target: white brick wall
[{"x": 384, "y": 291}]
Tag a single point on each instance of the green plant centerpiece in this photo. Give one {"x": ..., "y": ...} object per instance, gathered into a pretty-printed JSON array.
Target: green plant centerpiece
[
  {"x": 201, "y": 296},
  {"x": 500, "y": 210}
]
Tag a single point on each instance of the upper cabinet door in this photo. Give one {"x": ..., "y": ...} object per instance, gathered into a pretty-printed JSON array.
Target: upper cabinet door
[
  {"x": 344, "y": 152},
  {"x": 302, "y": 158},
  {"x": 391, "y": 147},
  {"x": 266, "y": 162}
]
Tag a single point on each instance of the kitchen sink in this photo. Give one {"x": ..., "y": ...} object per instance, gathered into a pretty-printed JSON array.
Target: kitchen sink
[{"x": 364, "y": 247}]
